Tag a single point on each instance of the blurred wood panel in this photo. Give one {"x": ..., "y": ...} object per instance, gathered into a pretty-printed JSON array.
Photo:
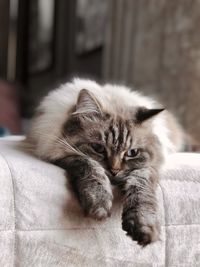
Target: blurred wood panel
[
  {"x": 4, "y": 29},
  {"x": 155, "y": 46}
]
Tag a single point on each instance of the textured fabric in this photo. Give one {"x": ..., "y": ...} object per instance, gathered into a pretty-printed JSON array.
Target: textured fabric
[{"x": 41, "y": 223}]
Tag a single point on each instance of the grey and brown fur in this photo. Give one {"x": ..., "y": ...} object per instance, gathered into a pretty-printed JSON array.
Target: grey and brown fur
[{"x": 105, "y": 136}]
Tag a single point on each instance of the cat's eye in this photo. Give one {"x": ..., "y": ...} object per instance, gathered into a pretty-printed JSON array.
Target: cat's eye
[
  {"x": 132, "y": 152},
  {"x": 98, "y": 148}
]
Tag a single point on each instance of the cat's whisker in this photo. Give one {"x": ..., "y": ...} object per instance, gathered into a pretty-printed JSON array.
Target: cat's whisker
[{"x": 63, "y": 143}]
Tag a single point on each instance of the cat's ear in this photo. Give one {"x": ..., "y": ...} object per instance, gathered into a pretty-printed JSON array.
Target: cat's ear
[
  {"x": 143, "y": 114},
  {"x": 87, "y": 104}
]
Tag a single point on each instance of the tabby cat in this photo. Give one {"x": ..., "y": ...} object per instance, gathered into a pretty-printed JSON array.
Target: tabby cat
[{"x": 103, "y": 135}]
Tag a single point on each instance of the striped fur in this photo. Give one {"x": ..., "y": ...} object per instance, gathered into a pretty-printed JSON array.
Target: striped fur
[
  {"x": 97, "y": 135},
  {"x": 56, "y": 108}
]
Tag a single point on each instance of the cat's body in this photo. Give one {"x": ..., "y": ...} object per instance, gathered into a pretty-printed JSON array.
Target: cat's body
[{"x": 108, "y": 134}]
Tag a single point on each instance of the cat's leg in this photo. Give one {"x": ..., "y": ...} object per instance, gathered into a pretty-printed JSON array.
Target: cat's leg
[
  {"x": 139, "y": 217},
  {"x": 91, "y": 185}
]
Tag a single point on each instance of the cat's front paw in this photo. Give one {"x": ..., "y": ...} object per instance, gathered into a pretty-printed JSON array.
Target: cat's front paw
[
  {"x": 97, "y": 204},
  {"x": 142, "y": 228},
  {"x": 100, "y": 210}
]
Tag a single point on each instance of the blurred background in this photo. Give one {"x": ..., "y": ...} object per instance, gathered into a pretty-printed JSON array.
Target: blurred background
[{"x": 151, "y": 45}]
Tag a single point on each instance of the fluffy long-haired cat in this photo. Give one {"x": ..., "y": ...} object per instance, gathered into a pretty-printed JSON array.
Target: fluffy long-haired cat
[{"x": 103, "y": 135}]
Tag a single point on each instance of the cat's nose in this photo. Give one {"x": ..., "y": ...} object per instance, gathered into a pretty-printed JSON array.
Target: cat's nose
[
  {"x": 114, "y": 171},
  {"x": 115, "y": 165}
]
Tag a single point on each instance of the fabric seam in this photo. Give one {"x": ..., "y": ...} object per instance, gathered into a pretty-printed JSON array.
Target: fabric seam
[
  {"x": 181, "y": 181},
  {"x": 14, "y": 209}
]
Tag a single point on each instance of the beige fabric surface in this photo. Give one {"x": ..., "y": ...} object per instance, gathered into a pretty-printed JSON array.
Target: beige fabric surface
[{"x": 41, "y": 223}]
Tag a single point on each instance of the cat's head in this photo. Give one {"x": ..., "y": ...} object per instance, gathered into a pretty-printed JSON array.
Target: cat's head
[{"x": 119, "y": 142}]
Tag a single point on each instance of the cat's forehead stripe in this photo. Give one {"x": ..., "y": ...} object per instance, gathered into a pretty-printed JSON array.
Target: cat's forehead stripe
[
  {"x": 105, "y": 139},
  {"x": 122, "y": 135},
  {"x": 115, "y": 133},
  {"x": 102, "y": 136},
  {"x": 118, "y": 135},
  {"x": 125, "y": 135}
]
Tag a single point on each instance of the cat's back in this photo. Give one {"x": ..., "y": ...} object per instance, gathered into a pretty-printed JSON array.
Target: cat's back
[{"x": 110, "y": 96}]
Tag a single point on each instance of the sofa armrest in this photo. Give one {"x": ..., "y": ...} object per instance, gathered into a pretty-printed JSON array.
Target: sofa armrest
[{"x": 42, "y": 223}]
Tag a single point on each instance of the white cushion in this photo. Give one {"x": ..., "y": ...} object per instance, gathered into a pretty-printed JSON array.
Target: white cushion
[{"x": 42, "y": 224}]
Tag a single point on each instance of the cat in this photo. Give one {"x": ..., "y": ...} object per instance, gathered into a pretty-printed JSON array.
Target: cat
[{"x": 103, "y": 135}]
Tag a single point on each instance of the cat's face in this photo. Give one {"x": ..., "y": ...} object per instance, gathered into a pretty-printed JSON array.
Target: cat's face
[{"x": 119, "y": 143}]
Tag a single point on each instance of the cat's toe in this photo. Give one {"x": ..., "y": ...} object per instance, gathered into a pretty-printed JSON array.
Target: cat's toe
[
  {"x": 100, "y": 213},
  {"x": 147, "y": 234},
  {"x": 143, "y": 234},
  {"x": 128, "y": 226},
  {"x": 99, "y": 208}
]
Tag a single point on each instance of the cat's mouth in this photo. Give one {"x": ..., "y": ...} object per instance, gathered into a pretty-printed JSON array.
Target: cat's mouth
[{"x": 116, "y": 178}]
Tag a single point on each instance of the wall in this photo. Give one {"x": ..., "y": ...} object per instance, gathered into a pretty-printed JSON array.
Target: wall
[{"x": 155, "y": 45}]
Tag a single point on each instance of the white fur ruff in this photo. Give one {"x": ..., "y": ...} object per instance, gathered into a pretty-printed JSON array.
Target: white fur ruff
[{"x": 46, "y": 128}]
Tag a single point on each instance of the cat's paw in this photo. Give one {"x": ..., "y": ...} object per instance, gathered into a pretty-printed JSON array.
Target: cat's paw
[
  {"x": 141, "y": 228},
  {"x": 100, "y": 211},
  {"x": 98, "y": 205}
]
